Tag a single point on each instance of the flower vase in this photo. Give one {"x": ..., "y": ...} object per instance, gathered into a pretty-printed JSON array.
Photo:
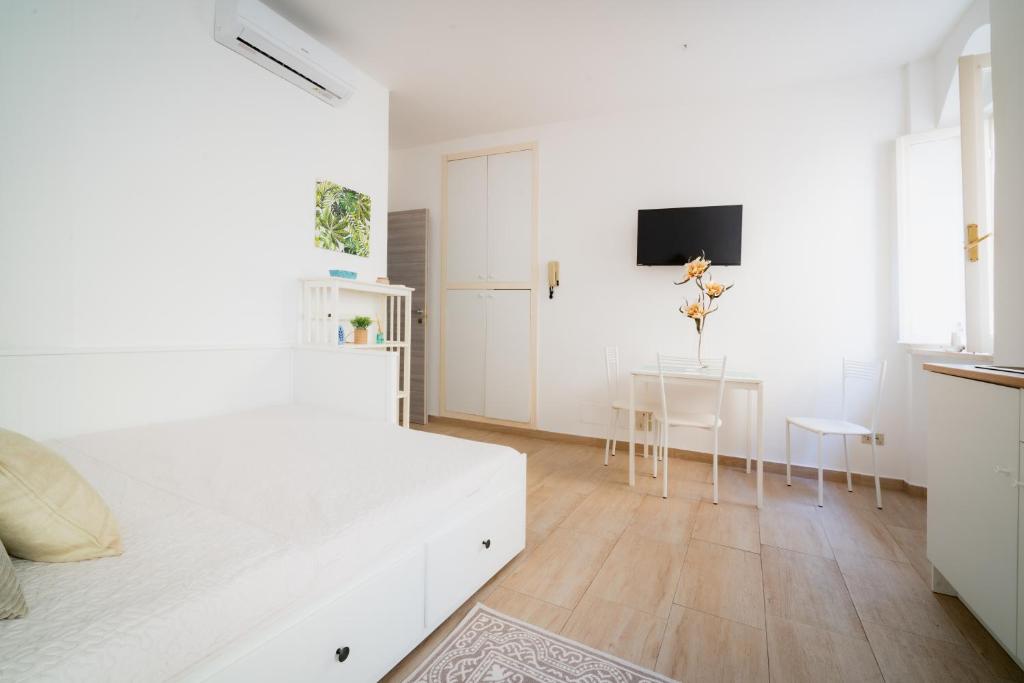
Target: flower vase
[{"x": 700, "y": 340}]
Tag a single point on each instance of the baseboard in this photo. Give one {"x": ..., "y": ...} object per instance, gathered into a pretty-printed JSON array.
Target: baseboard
[{"x": 733, "y": 461}]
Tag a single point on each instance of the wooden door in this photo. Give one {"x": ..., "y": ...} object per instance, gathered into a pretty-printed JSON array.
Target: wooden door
[
  {"x": 510, "y": 218},
  {"x": 465, "y": 336},
  {"x": 407, "y": 265},
  {"x": 466, "y": 241},
  {"x": 507, "y": 380}
]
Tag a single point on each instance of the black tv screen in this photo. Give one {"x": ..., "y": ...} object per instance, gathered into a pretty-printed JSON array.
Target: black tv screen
[{"x": 671, "y": 237}]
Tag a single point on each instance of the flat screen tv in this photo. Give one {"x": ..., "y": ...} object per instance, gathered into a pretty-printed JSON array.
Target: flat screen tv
[{"x": 671, "y": 237}]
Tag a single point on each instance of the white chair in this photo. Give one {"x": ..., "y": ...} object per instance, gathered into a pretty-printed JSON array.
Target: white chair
[
  {"x": 620, "y": 406},
  {"x": 665, "y": 419},
  {"x": 870, "y": 372}
]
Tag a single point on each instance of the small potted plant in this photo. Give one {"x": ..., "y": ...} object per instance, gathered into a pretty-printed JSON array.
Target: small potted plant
[{"x": 360, "y": 323}]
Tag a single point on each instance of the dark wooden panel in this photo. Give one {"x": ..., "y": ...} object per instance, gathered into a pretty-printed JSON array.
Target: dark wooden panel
[{"x": 407, "y": 265}]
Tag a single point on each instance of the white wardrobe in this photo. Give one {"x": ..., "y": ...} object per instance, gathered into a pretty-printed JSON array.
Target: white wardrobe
[{"x": 489, "y": 281}]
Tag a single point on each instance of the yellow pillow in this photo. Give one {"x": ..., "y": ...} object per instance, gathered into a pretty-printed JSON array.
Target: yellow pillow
[{"x": 48, "y": 512}]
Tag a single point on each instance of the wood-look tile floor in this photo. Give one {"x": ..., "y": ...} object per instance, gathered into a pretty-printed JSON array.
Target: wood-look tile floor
[{"x": 703, "y": 592}]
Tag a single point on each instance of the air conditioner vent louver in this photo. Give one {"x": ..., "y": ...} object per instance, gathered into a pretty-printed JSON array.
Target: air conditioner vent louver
[{"x": 251, "y": 29}]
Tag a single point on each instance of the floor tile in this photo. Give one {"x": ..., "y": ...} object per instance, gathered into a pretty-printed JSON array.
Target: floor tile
[
  {"x": 703, "y": 647},
  {"x": 728, "y": 524},
  {"x": 669, "y": 520},
  {"x": 722, "y": 581},
  {"x": 892, "y": 594},
  {"x": 809, "y": 590},
  {"x": 607, "y": 511},
  {"x": 908, "y": 657},
  {"x": 794, "y": 527},
  {"x": 861, "y": 532},
  {"x": 528, "y": 609},
  {"x": 914, "y": 545},
  {"x": 981, "y": 640},
  {"x": 547, "y": 506},
  {"x": 628, "y": 633},
  {"x": 808, "y": 654},
  {"x": 640, "y": 573},
  {"x": 561, "y": 568}
]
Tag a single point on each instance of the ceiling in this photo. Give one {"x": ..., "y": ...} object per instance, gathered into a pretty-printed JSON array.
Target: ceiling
[{"x": 461, "y": 67}]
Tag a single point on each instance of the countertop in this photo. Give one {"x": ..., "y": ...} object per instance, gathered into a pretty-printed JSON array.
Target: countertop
[{"x": 1006, "y": 379}]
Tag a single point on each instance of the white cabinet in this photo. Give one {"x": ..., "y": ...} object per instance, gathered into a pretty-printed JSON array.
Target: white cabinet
[
  {"x": 974, "y": 507},
  {"x": 467, "y": 220},
  {"x": 507, "y": 378},
  {"x": 510, "y": 216},
  {"x": 487, "y": 353},
  {"x": 488, "y": 331},
  {"x": 489, "y": 236},
  {"x": 465, "y": 337}
]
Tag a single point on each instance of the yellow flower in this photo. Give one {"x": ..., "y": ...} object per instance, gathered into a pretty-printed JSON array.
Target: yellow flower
[
  {"x": 696, "y": 267},
  {"x": 714, "y": 289},
  {"x": 695, "y": 311}
]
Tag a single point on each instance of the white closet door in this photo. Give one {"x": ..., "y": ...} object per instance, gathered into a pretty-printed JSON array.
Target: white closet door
[
  {"x": 507, "y": 375},
  {"x": 467, "y": 220},
  {"x": 510, "y": 217},
  {"x": 465, "y": 341}
]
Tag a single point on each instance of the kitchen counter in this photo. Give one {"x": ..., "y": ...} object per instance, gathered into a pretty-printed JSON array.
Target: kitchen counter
[{"x": 980, "y": 374}]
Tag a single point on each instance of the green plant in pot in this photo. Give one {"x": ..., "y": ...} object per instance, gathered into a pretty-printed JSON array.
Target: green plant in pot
[{"x": 360, "y": 324}]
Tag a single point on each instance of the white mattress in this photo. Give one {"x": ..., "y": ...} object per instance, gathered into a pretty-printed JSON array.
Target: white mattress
[{"x": 228, "y": 522}]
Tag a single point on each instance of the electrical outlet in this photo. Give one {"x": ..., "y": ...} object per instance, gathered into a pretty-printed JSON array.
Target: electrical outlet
[{"x": 879, "y": 439}]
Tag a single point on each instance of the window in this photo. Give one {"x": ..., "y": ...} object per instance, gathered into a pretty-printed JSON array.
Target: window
[{"x": 944, "y": 185}]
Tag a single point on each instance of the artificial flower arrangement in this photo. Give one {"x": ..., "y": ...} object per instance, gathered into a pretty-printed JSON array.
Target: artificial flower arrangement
[{"x": 707, "y": 295}]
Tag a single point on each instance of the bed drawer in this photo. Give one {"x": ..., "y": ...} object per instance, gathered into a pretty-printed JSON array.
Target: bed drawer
[
  {"x": 379, "y": 621},
  {"x": 464, "y": 556}
]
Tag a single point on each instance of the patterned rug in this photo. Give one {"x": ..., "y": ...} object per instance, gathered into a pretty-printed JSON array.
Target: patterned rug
[{"x": 490, "y": 647}]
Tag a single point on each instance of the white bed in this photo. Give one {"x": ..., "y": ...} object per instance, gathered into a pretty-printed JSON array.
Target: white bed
[{"x": 260, "y": 543}]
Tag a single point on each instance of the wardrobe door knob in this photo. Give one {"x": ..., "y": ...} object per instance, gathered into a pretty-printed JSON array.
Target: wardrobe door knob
[
  {"x": 487, "y": 544},
  {"x": 342, "y": 653}
]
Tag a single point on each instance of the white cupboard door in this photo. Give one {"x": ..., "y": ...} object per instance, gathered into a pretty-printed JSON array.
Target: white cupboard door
[
  {"x": 973, "y": 460},
  {"x": 510, "y": 217},
  {"x": 466, "y": 252},
  {"x": 465, "y": 338},
  {"x": 508, "y": 374}
]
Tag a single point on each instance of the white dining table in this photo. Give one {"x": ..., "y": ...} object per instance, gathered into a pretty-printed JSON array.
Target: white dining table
[{"x": 737, "y": 380}]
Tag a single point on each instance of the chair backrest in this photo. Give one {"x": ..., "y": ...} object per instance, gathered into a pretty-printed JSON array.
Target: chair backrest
[
  {"x": 669, "y": 364},
  {"x": 611, "y": 368},
  {"x": 870, "y": 372}
]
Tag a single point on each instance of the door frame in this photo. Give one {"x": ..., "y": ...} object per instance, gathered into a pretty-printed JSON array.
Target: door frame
[{"x": 532, "y": 285}]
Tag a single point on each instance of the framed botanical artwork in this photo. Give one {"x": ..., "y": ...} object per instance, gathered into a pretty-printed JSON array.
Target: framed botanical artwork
[{"x": 342, "y": 219}]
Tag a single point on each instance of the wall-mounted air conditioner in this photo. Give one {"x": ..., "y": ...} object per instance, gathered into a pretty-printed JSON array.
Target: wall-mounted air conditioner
[{"x": 252, "y": 29}]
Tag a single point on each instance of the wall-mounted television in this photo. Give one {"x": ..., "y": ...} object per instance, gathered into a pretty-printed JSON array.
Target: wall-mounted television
[{"x": 671, "y": 237}]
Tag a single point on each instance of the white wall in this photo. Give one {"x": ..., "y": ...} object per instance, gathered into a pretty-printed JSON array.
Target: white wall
[
  {"x": 156, "y": 190},
  {"x": 813, "y": 167},
  {"x": 157, "y": 187},
  {"x": 1008, "y": 113}
]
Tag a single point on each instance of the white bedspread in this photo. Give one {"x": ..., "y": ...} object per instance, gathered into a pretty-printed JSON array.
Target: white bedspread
[{"x": 228, "y": 522}]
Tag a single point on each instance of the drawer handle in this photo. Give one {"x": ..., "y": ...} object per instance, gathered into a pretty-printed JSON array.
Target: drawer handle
[
  {"x": 487, "y": 544},
  {"x": 342, "y": 653}
]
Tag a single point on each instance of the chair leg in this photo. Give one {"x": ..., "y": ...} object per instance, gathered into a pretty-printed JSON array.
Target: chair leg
[
  {"x": 714, "y": 469},
  {"x": 654, "y": 460},
  {"x": 611, "y": 435},
  {"x": 821, "y": 477},
  {"x": 789, "y": 474},
  {"x": 664, "y": 470},
  {"x": 846, "y": 457},
  {"x": 655, "y": 449},
  {"x": 615, "y": 427},
  {"x": 874, "y": 463},
  {"x": 645, "y": 419}
]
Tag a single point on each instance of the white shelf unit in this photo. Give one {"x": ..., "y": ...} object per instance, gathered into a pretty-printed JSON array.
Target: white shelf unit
[{"x": 326, "y": 301}]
